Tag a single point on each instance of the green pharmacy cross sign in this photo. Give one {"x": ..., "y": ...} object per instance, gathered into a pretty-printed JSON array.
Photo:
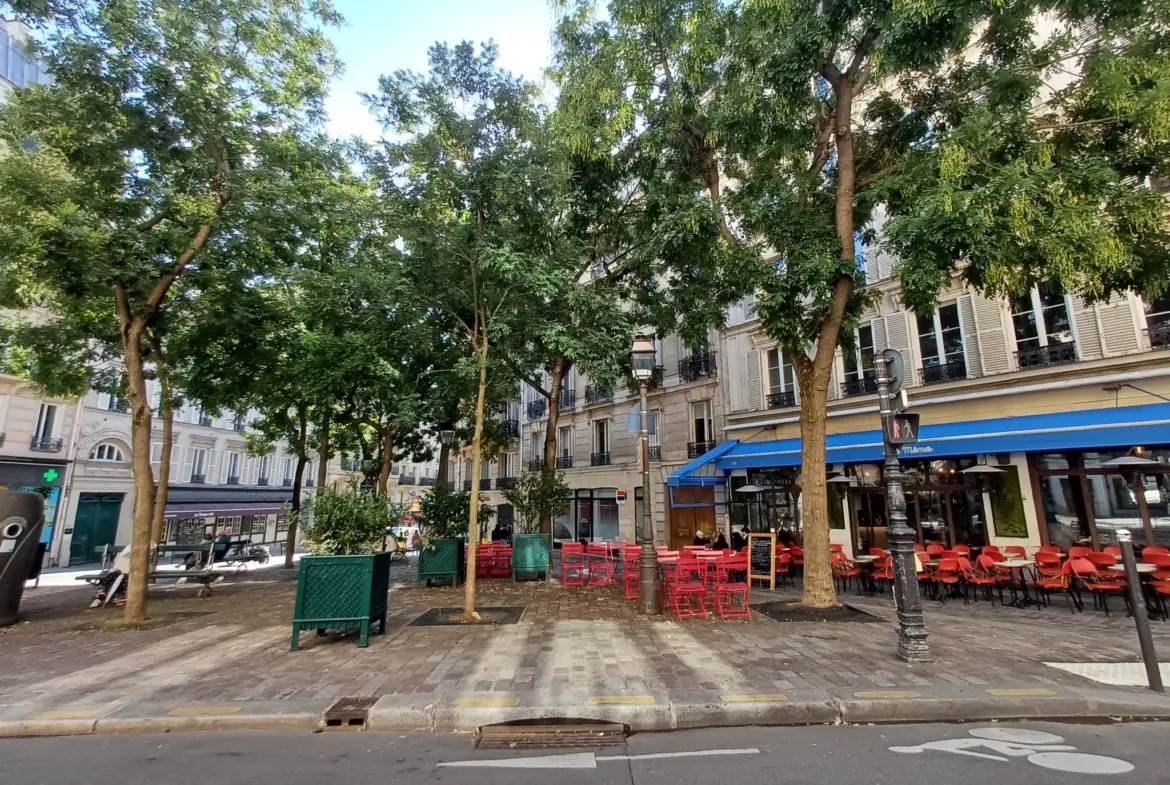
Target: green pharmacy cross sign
[{"x": 50, "y": 475}]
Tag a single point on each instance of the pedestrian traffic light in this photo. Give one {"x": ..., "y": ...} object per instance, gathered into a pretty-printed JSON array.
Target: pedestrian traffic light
[{"x": 901, "y": 428}]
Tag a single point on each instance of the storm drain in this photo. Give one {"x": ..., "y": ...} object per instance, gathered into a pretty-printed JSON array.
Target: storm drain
[
  {"x": 547, "y": 733},
  {"x": 348, "y": 714}
]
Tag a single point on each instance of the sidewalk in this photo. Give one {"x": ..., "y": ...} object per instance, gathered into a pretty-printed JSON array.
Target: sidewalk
[{"x": 225, "y": 662}]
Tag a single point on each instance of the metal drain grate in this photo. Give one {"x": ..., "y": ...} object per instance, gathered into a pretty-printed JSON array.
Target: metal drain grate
[
  {"x": 348, "y": 714},
  {"x": 551, "y": 734}
]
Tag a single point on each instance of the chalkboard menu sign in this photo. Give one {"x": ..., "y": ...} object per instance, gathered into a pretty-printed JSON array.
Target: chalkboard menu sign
[{"x": 762, "y": 557}]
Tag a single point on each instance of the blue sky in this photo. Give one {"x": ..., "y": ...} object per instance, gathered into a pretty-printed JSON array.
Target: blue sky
[{"x": 382, "y": 36}]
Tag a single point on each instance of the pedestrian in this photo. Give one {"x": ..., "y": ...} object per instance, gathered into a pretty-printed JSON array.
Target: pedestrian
[
  {"x": 701, "y": 539},
  {"x": 500, "y": 533},
  {"x": 720, "y": 543}
]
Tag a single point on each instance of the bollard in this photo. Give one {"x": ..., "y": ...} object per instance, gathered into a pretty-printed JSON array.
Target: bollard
[{"x": 1141, "y": 614}]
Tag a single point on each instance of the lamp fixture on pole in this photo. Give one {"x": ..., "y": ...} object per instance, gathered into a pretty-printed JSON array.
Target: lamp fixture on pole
[{"x": 642, "y": 366}]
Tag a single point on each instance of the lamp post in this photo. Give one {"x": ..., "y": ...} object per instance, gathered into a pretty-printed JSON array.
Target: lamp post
[
  {"x": 642, "y": 362},
  {"x": 446, "y": 438}
]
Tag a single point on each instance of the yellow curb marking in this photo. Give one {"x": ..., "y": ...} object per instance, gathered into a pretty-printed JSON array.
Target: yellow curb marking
[
  {"x": 1023, "y": 692},
  {"x": 487, "y": 702},
  {"x": 887, "y": 694},
  {"x": 752, "y": 698},
  {"x": 198, "y": 711},
  {"x": 608, "y": 700},
  {"x": 64, "y": 714}
]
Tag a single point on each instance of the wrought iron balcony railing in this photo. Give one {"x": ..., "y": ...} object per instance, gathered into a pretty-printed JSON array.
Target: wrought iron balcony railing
[
  {"x": 697, "y": 366},
  {"x": 782, "y": 400},
  {"x": 1044, "y": 356},
  {"x": 599, "y": 459},
  {"x": 937, "y": 374},
  {"x": 695, "y": 449}
]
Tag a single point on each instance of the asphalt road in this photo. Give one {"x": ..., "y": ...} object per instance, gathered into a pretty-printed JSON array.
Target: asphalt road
[{"x": 1002, "y": 753}]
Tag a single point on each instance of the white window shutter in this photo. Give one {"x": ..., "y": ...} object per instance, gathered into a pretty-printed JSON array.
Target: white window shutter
[
  {"x": 897, "y": 327},
  {"x": 188, "y": 463},
  {"x": 176, "y": 459},
  {"x": 1117, "y": 324},
  {"x": 880, "y": 339},
  {"x": 1087, "y": 329},
  {"x": 970, "y": 336},
  {"x": 755, "y": 392},
  {"x": 212, "y": 473},
  {"x": 994, "y": 349}
]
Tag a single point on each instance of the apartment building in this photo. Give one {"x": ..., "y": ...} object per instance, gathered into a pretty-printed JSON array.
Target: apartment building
[{"x": 1025, "y": 405}]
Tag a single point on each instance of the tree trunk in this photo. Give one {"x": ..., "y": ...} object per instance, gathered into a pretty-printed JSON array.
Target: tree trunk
[
  {"x": 323, "y": 455},
  {"x": 469, "y": 613},
  {"x": 550, "y": 435},
  {"x": 386, "y": 437},
  {"x": 290, "y": 541},
  {"x": 140, "y": 537}
]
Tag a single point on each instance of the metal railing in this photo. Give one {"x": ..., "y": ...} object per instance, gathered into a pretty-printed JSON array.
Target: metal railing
[
  {"x": 233, "y": 479},
  {"x": 426, "y": 482},
  {"x": 505, "y": 483},
  {"x": 863, "y": 385},
  {"x": 599, "y": 459},
  {"x": 567, "y": 400},
  {"x": 287, "y": 482},
  {"x": 564, "y": 461},
  {"x": 595, "y": 393},
  {"x": 1044, "y": 356},
  {"x": 535, "y": 464},
  {"x": 697, "y": 366},
  {"x": 537, "y": 408},
  {"x": 467, "y": 485},
  {"x": 238, "y": 424},
  {"x": 204, "y": 419},
  {"x": 262, "y": 481},
  {"x": 1159, "y": 335},
  {"x": 654, "y": 383},
  {"x": 308, "y": 482},
  {"x": 485, "y": 483},
  {"x": 408, "y": 479},
  {"x": 45, "y": 445},
  {"x": 937, "y": 374},
  {"x": 695, "y": 449},
  {"x": 511, "y": 427},
  {"x": 655, "y": 451},
  {"x": 198, "y": 479},
  {"x": 782, "y": 400}
]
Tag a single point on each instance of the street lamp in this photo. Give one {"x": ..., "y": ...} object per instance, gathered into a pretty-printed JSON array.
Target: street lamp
[
  {"x": 642, "y": 363},
  {"x": 446, "y": 438}
]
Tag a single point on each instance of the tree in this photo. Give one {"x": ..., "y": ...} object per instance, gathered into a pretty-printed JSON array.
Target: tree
[
  {"x": 536, "y": 497},
  {"x": 170, "y": 130},
  {"x": 473, "y": 180}
]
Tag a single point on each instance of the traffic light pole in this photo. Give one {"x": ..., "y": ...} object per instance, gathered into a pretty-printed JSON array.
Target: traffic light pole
[{"x": 912, "y": 646}]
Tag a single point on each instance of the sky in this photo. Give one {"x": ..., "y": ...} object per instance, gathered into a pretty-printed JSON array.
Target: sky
[{"x": 382, "y": 36}]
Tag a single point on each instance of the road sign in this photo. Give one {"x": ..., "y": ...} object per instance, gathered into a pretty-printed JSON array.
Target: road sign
[
  {"x": 895, "y": 369},
  {"x": 621, "y": 497},
  {"x": 634, "y": 420},
  {"x": 901, "y": 428}
]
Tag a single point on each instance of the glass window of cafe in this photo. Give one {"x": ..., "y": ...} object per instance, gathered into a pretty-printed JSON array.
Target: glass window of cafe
[
  {"x": 773, "y": 506},
  {"x": 591, "y": 516},
  {"x": 1080, "y": 495}
]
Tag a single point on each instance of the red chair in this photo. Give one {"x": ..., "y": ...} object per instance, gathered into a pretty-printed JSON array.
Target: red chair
[
  {"x": 1112, "y": 550},
  {"x": 1050, "y": 549},
  {"x": 836, "y": 547},
  {"x": 501, "y": 566},
  {"x": 844, "y": 572},
  {"x": 947, "y": 575},
  {"x": 919, "y": 548},
  {"x": 876, "y": 552},
  {"x": 728, "y": 588},
  {"x": 687, "y": 592},
  {"x": 984, "y": 574},
  {"x": 883, "y": 572},
  {"x": 1103, "y": 561},
  {"x": 784, "y": 568},
  {"x": 1060, "y": 581},
  {"x": 1097, "y": 584},
  {"x": 631, "y": 567},
  {"x": 963, "y": 550},
  {"x": 935, "y": 549},
  {"x": 573, "y": 564},
  {"x": 1154, "y": 550},
  {"x": 797, "y": 558},
  {"x": 601, "y": 567},
  {"x": 951, "y": 553},
  {"x": 994, "y": 555},
  {"x": 1079, "y": 552},
  {"x": 483, "y": 560},
  {"x": 1016, "y": 550}
]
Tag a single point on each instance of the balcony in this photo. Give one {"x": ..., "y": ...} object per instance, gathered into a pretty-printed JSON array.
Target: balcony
[
  {"x": 204, "y": 419},
  {"x": 564, "y": 461},
  {"x": 655, "y": 382},
  {"x": 308, "y": 482},
  {"x": 655, "y": 451},
  {"x": 426, "y": 482},
  {"x": 536, "y": 464},
  {"x": 467, "y": 485},
  {"x": 287, "y": 482},
  {"x": 120, "y": 406},
  {"x": 537, "y": 409},
  {"x": 1159, "y": 335},
  {"x": 782, "y": 400},
  {"x": 599, "y": 459},
  {"x": 45, "y": 445},
  {"x": 485, "y": 484},
  {"x": 1044, "y": 356},
  {"x": 238, "y": 424},
  {"x": 595, "y": 393},
  {"x": 408, "y": 479},
  {"x": 233, "y": 479},
  {"x": 697, "y": 366},
  {"x": 860, "y": 386},
  {"x": 505, "y": 483},
  {"x": 567, "y": 400},
  {"x": 511, "y": 428},
  {"x": 937, "y": 374},
  {"x": 695, "y": 449},
  {"x": 351, "y": 464},
  {"x": 198, "y": 479},
  {"x": 262, "y": 481}
]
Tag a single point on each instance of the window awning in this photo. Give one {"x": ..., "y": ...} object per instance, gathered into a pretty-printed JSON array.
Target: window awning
[
  {"x": 1119, "y": 427},
  {"x": 702, "y": 470}
]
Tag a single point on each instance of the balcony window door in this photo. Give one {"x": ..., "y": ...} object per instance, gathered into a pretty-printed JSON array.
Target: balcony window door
[
  {"x": 46, "y": 422},
  {"x": 263, "y": 473},
  {"x": 859, "y": 373},
  {"x": 702, "y": 424},
  {"x": 565, "y": 447},
  {"x": 1158, "y": 322},
  {"x": 1042, "y": 327},
  {"x": 940, "y": 344},
  {"x": 601, "y": 436},
  {"x": 485, "y": 470},
  {"x": 288, "y": 471},
  {"x": 654, "y": 441},
  {"x": 199, "y": 465},
  {"x": 508, "y": 464},
  {"x": 537, "y": 447},
  {"x": 233, "y": 468},
  {"x": 781, "y": 380}
]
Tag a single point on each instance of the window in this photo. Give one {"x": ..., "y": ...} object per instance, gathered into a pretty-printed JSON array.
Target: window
[
  {"x": 859, "y": 361},
  {"x": 565, "y": 441},
  {"x": 537, "y": 448},
  {"x": 1158, "y": 322},
  {"x": 263, "y": 473},
  {"x": 106, "y": 453},
  {"x": 46, "y": 420},
  {"x": 508, "y": 464},
  {"x": 601, "y": 436},
  {"x": 198, "y": 465},
  {"x": 288, "y": 469},
  {"x": 113, "y": 402},
  {"x": 485, "y": 470},
  {"x": 451, "y": 470},
  {"x": 940, "y": 342},
  {"x": 781, "y": 380},
  {"x": 1040, "y": 318},
  {"x": 233, "y": 468},
  {"x": 702, "y": 426}
]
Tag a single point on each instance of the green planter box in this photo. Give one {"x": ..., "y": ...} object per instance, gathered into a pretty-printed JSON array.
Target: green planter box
[
  {"x": 442, "y": 562},
  {"x": 530, "y": 555},
  {"x": 342, "y": 592}
]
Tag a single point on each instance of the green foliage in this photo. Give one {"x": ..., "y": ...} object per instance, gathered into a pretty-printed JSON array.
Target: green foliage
[
  {"x": 346, "y": 523},
  {"x": 836, "y": 513},
  {"x": 445, "y": 513},
  {"x": 538, "y": 494},
  {"x": 1007, "y": 505}
]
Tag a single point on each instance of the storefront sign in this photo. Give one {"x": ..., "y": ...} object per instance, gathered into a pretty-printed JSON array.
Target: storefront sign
[{"x": 762, "y": 558}]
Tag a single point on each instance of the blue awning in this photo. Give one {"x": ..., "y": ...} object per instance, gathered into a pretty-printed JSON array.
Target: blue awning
[
  {"x": 1120, "y": 427},
  {"x": 702, "y": 471}
]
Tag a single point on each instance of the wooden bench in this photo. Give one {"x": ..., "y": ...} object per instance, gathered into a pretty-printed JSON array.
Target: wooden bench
[{"x": 203, "y": 573}]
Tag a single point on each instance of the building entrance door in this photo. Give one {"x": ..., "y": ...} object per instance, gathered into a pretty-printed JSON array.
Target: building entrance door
[
  {"x": 685, "y": 521},
  {"x": 94, "y": 527}
]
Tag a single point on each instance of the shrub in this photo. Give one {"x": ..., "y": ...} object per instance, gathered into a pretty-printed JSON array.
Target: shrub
[
  {"x": 347, "y": 523},
  {"x": 444, "y": 514}
]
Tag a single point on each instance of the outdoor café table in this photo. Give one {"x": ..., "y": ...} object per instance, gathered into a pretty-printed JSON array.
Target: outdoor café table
[
  {"x": 865, "y": 564},
  {"x": 1144, "y": 572},
  {"x": 1017, "y": 567}
]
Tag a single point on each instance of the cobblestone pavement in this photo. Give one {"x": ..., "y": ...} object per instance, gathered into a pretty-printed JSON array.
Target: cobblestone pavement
[{"x": 235, "y": 646}]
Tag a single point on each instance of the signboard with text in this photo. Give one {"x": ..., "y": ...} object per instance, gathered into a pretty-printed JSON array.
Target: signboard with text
[{"x": 762, "y": 558}]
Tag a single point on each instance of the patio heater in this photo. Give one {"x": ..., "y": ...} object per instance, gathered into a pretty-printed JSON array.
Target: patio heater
[
  {"x": 843, "y": 481},
  {"x": 642, "y": 357},
  {"x": 446, "y": 438},
  {"x": 1131, "y": 467},
  {"x": 753, "y": 489},
  {"x": 982, "y": 474}
]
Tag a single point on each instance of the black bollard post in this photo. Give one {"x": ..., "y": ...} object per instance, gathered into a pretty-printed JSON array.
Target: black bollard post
[{"x": 1141, "y": 616}]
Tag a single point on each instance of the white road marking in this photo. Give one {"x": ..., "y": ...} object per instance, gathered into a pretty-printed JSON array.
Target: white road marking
[
  {"x": 584, "y": 760},
  {"x": 1038, "y": 747},
  {"x": 1080, "y": 763},
  {"x": 1120, "y": 674}
]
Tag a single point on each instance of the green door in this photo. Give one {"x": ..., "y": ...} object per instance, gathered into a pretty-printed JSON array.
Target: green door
[{"x": 94, "y": 526}]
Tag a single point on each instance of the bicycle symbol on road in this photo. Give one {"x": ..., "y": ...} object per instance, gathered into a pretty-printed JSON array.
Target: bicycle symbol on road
[{"x": 1043, "y": 749}]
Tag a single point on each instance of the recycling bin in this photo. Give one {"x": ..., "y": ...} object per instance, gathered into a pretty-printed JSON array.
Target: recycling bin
[{"x": 22, "y": 516}]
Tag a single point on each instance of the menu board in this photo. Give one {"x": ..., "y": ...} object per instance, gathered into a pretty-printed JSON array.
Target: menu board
[{"x": 762, "y": 558}]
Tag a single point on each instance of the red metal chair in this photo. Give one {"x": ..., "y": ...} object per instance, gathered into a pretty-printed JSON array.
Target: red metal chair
[
  {"x": 797, "y": 553},
  {"x": 983, "y": 574},
  {"x": 501, "y": 562},
  {"x": 951, "y": 553},
  {"x": 935, "y": 549},
  {"x": 1112, "y": 550},
  {"x": 1016, "y": 550},
  {"x": 631, "y": 568},
  {"x": 686, "y": 593},
  {"x": 963, "y": 550},
  {"x": 947, "y": 577},
  {"x": 883, "y": 572},
  {"x": 844, "y": 572},
  {"x": 1103, "y": 561},
  {"x": 601, "y": 567},
  {"x": 784, "y": 568},
  {"x": 727, "y": 588},
  {"x": 1050, "y": 549},
  {"x": 1154, "y": 550},
  {"x": 836, "y": 547},
  {"x": 1079, "y": 551},
  {"x": 1061, "y": 580},
  {"x": 573, "y": 564},
  {"x": 876, "y": 552},
  {"x": 919, "y": 547},
  {"x": 1097, "y": 584}
]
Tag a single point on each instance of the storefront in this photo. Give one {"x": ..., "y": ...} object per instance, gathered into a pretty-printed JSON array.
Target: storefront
[
  {"x": 590, "y": 516},
  {"x": 45, "y": 478}
]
